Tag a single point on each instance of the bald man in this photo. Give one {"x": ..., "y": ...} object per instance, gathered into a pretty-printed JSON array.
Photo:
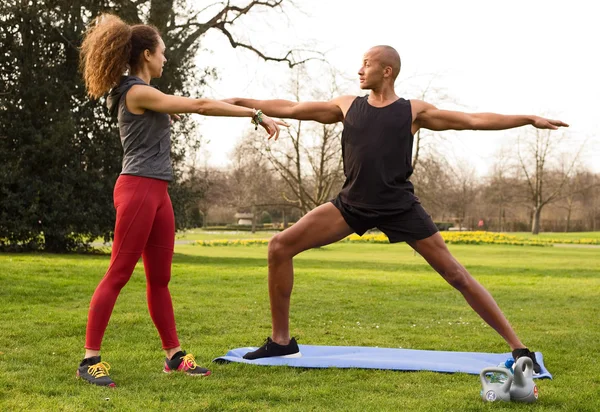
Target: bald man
[{"x": 377, "y": 153}]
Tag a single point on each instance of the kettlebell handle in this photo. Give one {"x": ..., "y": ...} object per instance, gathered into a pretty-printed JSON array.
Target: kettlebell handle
[
  {"x": 528, "y": 372},
  {"x": 496, "y": 369}
]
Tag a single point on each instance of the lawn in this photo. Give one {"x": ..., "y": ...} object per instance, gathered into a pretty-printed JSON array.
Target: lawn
[{"x": 345, "y": 294}]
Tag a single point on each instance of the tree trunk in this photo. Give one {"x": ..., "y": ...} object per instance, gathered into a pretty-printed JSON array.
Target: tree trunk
[
  {"x": 253, "y": 219},
  {"x": 535, "y": 225},
  {"x": 594, "y": 194},
  {"x": 204, "y": 213}
]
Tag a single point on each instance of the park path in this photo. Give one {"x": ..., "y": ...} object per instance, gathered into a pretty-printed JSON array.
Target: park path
[
  {"x": 109, "y": 244},
  {"x": 573, "y": 245}
]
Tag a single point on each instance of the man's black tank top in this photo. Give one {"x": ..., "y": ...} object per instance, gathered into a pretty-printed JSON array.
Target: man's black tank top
[{"x": 377, "y": 153}]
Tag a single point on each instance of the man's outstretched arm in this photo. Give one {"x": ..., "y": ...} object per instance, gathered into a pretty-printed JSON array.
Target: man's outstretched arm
[
  {"x": 430, "y": 117},
  {"x": 322, "y": 112}
]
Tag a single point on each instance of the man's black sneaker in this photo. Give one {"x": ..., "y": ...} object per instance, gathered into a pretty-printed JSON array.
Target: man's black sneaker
[
  {"x": 518, "y": 353},
  {"x": 270, "y": 349},
  {"x": 95, "y": 372},
  {"x": 184, "y": 362}
]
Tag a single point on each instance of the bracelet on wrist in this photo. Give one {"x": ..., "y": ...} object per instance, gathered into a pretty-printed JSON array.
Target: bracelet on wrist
[{"x": 257, "y": 118}]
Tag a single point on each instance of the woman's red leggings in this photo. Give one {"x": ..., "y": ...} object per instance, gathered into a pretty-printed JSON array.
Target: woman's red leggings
[{"x": 145, "y": 227}]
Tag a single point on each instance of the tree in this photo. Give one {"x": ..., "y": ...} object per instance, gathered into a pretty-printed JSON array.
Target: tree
[
  {"x": 58, "y": 166},
  {"x": 214, "y": 185},
  {"x": 59, "y": 150},
  {"x": 252, "y": 185},
  {"x": 307, "y": 156},
  {"x": 502, "y": 187},
  {"x": 463, "y": 183},
  {"x": 433, "y": 185},
  {"x": 424, "y": 139},
  {"x": 578, "y": 187},
  {"x": 591, "y": 200},
  {"x": 535, "y": 153}
]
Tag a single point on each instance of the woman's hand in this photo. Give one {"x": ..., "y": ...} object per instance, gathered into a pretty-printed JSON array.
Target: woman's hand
[{"x": 272, "y": 126}]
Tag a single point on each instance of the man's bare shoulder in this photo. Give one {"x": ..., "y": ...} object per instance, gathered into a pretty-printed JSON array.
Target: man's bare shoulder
[
  {"x": 344, "y": 102},
  {"x": 420, "y": 105}
]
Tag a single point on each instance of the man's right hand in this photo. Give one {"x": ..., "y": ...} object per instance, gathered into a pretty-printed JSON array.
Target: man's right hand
[{"x": 542, "y": 123}]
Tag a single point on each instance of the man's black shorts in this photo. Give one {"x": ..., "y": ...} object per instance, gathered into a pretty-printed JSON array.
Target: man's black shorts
[{"x": 409, "y": 224}]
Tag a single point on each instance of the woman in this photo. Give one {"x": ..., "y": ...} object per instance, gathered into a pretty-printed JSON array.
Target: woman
[{"x": 145, "y": 224}]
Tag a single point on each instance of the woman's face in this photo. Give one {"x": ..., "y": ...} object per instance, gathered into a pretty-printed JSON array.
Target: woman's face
[{"x": 157, "y": 60}]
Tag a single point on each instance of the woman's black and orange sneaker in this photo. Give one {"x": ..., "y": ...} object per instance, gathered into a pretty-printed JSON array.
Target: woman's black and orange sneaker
[
  {"x": 95, "y": 372},
  {"x": 184, "y": 362}
]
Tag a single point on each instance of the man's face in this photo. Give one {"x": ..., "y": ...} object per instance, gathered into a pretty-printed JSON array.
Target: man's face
[{"x": 371, "y": 72}]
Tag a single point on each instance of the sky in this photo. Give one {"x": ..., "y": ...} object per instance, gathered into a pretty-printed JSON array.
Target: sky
[{"x": 510, "y": 57}]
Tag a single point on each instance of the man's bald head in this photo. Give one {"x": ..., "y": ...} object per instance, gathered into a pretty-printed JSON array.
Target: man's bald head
[{"x": 386, "y": 56}]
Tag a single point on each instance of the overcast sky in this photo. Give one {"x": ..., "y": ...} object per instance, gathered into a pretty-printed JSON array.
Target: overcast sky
[{"x": 511, "y": 57}]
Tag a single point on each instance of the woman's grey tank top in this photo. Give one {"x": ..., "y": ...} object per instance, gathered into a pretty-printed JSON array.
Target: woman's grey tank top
[{"x": 146, "y": 138}]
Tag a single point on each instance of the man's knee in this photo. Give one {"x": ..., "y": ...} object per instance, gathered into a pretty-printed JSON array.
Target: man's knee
[
  {"x": 278, "y": 250},
  {"x": 456, "y": 276}
]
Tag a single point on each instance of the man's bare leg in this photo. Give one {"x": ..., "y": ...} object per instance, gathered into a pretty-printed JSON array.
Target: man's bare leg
[
  {"x": 434, "y": 251},
  {"x": 319, "y": 227}
]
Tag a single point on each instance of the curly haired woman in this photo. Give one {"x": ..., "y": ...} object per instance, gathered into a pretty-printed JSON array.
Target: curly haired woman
[{"x": 145, "y": 224}]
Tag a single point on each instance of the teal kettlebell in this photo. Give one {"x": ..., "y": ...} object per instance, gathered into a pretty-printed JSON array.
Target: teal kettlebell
[
  {"x": 495, "y": 391},
  {"x": 523, "y": 389}
]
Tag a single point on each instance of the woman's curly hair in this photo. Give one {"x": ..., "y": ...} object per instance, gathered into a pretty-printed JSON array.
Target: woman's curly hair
[{"x": 110, "y": 47}]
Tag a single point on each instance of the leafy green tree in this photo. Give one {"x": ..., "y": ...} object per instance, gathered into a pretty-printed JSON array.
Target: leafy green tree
[{"x": 59, "y": 150}]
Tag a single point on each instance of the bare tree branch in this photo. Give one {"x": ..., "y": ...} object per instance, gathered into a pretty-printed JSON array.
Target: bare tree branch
[
  {"x": 289, "y": 57},
  {"x": 194, "y": 17},
  {"x": 566, "y": 176},
  {"x": 226, "y": 17},
  {"x": 529, "y": 180}
]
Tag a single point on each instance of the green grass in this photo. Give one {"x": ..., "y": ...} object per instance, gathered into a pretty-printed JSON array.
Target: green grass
[{"x": 345, "y": 294}]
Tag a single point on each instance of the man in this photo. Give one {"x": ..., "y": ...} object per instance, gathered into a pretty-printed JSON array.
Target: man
[{"x": 377, "y": 151}]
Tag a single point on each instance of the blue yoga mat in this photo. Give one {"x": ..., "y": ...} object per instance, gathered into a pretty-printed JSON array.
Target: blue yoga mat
[{"x": 383, "y": 358}]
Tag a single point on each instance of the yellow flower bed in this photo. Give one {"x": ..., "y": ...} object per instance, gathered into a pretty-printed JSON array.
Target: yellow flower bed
[
  {"x": 489, "y": 238},
  {"x": 460, "y": 238},
  {"x": 463, "y": 238},
  {"x": 480, "y": 238}
]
